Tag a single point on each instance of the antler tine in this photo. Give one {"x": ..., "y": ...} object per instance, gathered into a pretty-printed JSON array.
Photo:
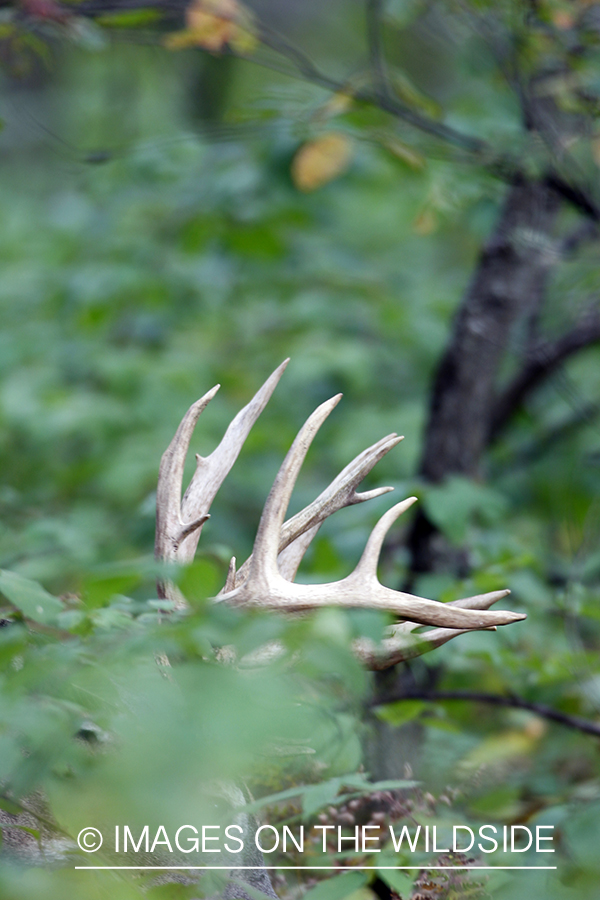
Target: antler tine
[
  {"x": 212, "y": 470},
  {"x": 370, "y": 558},
  {"x": 230, "y": 580},
  {"x": 170, "y": 477},
  {"x": 392, "y": 651},
  {"x": 362, "y": 582},
  {"x": 401, "y": 645},
  {"x": 339, "y": 494},
  {"x": 479, "y": 601},
  {"x": 266, "y": 544},
  {"x": 179, "y": 521},
  {"x": 342, "y": 490}
]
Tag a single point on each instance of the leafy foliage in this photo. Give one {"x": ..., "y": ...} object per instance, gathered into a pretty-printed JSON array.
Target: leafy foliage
[{"x": 142, "y": 263}]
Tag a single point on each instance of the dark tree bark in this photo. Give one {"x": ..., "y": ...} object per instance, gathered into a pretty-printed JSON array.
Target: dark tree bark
[{"x": 507, "y": 289}]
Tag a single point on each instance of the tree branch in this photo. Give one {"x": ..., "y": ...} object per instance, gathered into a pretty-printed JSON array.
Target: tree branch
[
  {"x": 373, "y": 12},
  {"x": 575, "y": 195},
  {"x": 543, "y": 360},
  {"x": 507, "y": 700},
  {"x": 509, "y": 170},
  {"x": 308, "y": 70},
  {"x": 505, "y": 168},
  {"x": 536, "y": 449}
]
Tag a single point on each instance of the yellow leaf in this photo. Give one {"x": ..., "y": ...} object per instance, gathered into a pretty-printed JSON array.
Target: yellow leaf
[
  {"x": 336, "y": 105},
  {"x": 214, "y": 25},
  {"x": 243, "y": 41},
  {"x": 321, "y": 160},
  {"x": 223, "y": 9},
  {"x": 209, "y": 31}
]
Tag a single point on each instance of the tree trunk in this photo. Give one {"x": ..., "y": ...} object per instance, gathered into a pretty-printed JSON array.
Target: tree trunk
[{"x": 507, "y": 289}]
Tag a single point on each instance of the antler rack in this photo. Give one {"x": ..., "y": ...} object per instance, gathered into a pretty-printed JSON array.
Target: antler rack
[{"x": 266, "y": 579}]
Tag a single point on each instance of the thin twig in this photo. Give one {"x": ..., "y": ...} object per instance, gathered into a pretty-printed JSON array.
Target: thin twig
[
  {"x": 542, "y": 362},
  {"x": 574, "y": 194},
  {"x": 585, "y": 414},
  {"x": 310, "y": 72},
  {"x": 374, "y": 14},
  {"x": 508, "y": 700},
  {"x": 507, "y": 169}
]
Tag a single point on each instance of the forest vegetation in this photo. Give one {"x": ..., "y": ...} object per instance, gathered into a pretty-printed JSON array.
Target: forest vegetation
[{"x": 403, "y": 198}]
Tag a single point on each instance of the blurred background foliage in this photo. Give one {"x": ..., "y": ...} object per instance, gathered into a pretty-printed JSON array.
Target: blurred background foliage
[{"x": 155, "y": 239}]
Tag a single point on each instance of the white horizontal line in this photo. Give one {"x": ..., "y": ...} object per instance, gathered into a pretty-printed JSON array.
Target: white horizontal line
[{"x": 332, "y": 868}]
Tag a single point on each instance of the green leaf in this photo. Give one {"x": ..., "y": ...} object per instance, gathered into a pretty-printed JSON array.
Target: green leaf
[
  {"x": 30, "y": 598},
  {"x": 393, "y": 784},
  {"x": 399, "y": 881},
  {"x": 201, "y": 579},
  {"x": 32, "y": 831},
  {"x": 452, "y": 505},
  {"x": 133, "y": 18},
  {"x": 10, "y": 806},
  {"x": 338, "y": 887},
  {"x": 400, "y": 712},
  {"x": 122, "y": 578},
  {"x": 317, "y": 796}
]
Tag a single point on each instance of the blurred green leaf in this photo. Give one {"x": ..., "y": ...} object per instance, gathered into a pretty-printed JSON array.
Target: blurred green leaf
[
  {"x": 337, "y": 888},
  {"x": 401, "y": 712},
  {"x": 453, "y": 505},
  {"x": 400, "y": 882},
  {"x": 30, "y": 598}
]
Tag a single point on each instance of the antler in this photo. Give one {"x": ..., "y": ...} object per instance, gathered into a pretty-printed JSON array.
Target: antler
[
  {"x": 179, "y": 522},
  {"x": 266, "y": 578}
]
